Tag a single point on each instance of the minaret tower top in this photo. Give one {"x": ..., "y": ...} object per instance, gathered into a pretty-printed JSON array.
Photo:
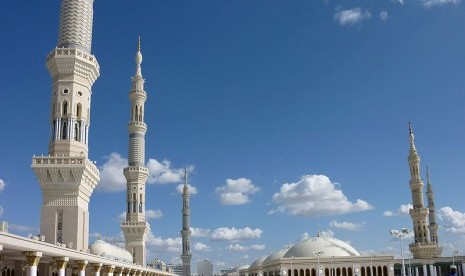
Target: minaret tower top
[
  {"x": 136, "y": 228},
  {"x": 186, "y": 232}
]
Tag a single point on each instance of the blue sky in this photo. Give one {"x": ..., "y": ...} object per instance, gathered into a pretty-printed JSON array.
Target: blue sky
[{"x": 260, "y": 99}]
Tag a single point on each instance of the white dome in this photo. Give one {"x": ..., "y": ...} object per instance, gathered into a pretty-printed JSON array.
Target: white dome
[
  {"x": 257, "y": 263},
  {"x": 110, "y": 251},
  {"x": 328, "y": 246},
  {"x": 275, "y": 256},
  {"x": 239, "y": 268}
]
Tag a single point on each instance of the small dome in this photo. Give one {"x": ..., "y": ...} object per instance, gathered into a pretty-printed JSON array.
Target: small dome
[
  {"x": 110, "y": 251},
  {"x": 275, "y": 256},
  {"x": 328, "y": 246},
  {"x": 257, "y": 263}
]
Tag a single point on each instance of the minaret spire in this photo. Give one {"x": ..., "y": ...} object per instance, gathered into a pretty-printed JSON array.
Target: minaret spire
[
  {"x": 186, "y": 232},
  {"x": 433, "y": 226},
  {"x": 67, "y": 177},
  {"x": 423, "y": 247},
  {"x": 136, "y": 228}
]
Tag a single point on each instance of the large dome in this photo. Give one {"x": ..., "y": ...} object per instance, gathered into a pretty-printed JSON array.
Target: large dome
[
  {"x": 257, "y": 263},
  {"x": 275, "y": 256},
  {"x": 328, "y": 246},
  {"x": 104, "y": 249}
]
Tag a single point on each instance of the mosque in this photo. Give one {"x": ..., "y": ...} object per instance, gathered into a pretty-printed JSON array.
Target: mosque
[
  {"x": 323, "y": 256},
  {"x": 68, "y": 177}
]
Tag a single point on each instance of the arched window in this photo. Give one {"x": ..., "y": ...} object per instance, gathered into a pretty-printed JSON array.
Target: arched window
[
  {"x": 137, "y": 113},
  {"x": 362, "y": 271},
  {"x": 76, "y": 131},
  {"x": 140, "y": 203},
  {"x": 134, "y": 203},
  {"x": 349, "y": 271},
  {"x": 64, "y": 130},
  {"x": 338, "y": 272},
  {"x": 385, "y": 270},
  {"x": 344, "y": 271},
  {"x": 307, "y": 272},
  {"x": 129, "y": 207},
  {"x": 78, "y": 110},
  {"x": 65, "y": 108},
  {"x": 380, "y": 271},
  {"x": 374, "y": 270},
  {"x": 313, "y": 272},
  {"x": 326, "y": 272},
  {"x": 301, "y": 272},
  {"x": 140, "y": 114}
]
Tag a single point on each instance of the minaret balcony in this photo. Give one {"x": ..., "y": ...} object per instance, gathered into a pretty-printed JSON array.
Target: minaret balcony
[{"x": 73, "y": 61}]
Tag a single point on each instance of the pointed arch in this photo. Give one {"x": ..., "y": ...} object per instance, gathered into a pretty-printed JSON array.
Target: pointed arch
[
  {"x": 64, "y": 130},
  {"x": 65, "y": 108}
]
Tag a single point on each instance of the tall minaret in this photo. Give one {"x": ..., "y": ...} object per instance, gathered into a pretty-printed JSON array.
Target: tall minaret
[
  {"x": 67, "y": 177},
  {"x": 186, "y": 232},
  {"x": 433, "y": 226},
  {"x": 136, "y": 228},
  {"x": 422, "y": 247}
]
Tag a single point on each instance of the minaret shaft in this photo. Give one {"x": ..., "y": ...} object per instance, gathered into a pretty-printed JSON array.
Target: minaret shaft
[
  {"x": 422, "y": 247},
  {"x": 136, "y": 228},
  {"x": 186, "y": 232},
  {"x": 67, "y": 177}
]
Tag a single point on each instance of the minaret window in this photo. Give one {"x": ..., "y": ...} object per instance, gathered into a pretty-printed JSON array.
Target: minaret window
[
  {"x": 65, "y": 108},
  {"x": 137, "y": 113},
  {"x": 78, "y": 110},
  {"x": 140, "y": 204},
  {"x": 64, "y": 130},
  {"x": 140, "y": 114},
  {"x": 134, "y": 203}
]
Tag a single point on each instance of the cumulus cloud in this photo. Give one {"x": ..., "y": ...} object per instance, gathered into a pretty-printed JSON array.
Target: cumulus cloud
[
  {"x": 325, "y": 234},
  {"x": 453, "y": 221},
  {"x": 2, "y": 184},
  {"x": 404, "y": 210},
  {"x": 198, "y": 246},
  {"x": 158, "y": 244},
  {"x": 351, "y": 16},
  {"x": 345, "y": 225},
  {"x": 122, "y": 216},
  {"x": 314, "y": 196},
  {"x": 238, "y": 247},
  {"x": 116, "y": 239},
  {"x": 398, "y": 1},
  {"x": 383, "y": 15},
  {"x": 236, "y": 192},
  {"x": 199, "y": 232},
  {"x": 432, "y": 3},
  {"x": 113, "y": 180},
  {"x": 233, "y": 234},
  {"x": 192, "y": 189},
  {"x": 153, "y": 214}
]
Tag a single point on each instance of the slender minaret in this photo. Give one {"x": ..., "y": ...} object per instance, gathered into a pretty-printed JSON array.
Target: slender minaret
[
  {"x": 136, "y": 228},
  {"x": 186, "y": 232},
  {"x": 67, "y": 177},
  {"x": 422, "y": 247},
  {"x": 433, "y": 226}
]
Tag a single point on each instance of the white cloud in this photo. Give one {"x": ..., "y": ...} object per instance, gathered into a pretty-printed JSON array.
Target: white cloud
[
  {"x": 314, "y": 196},
  {"x": 345, "y": 225},
  {"x": 404, "y": 210},
  {"x": 111, "y": 174},
  {"x": 122, "y": 216},
  {"x": 257, "y": 247},
  {"x": 2, "y": 185},
  {"x": 192, "y": 189},
  {"x": 245, "y": 257},
  {"x": 383, "y": 15},
  {"x": 153, "y": 214},
  {"x": 162, "y": 173},
  {"x": 351, "y": 16},
  {"x": 117, "y": 239},
  {"x": 233, "y": 234},
  {"x": 199, "y": 232},
  {"x": 158, "y": 244},
  {"x": 113, "y": 180},
  {"x": 453, "y": 221},
  {"x": 198, "y": 246},
  {"x": 431, "y": 3},
  {"x": 398, "y": 1},
  {"x": 236, "y": 192},
  {"x": 237, "y": 247},
  {"x": 325, "y": 234},
  {"x": 1, "y": 211}
]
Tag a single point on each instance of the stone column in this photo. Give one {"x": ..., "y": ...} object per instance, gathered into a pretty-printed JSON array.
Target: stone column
[
  {"x": 96, "y": 267},
  {"x": 425, "y": 271},
  {"x": 416, "y": 271},
  {"x": 432, "y": 270},
  {"x": 81, "y": 265},
  {"x": 127, "y": 271},
  {"x": 32, "y": 260},
  {"x": 118, "y": 271},
  {"x": 463, "y": 268},
  {"x": 61, "y": 265},
  {"x": 108, "y": 270}
]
